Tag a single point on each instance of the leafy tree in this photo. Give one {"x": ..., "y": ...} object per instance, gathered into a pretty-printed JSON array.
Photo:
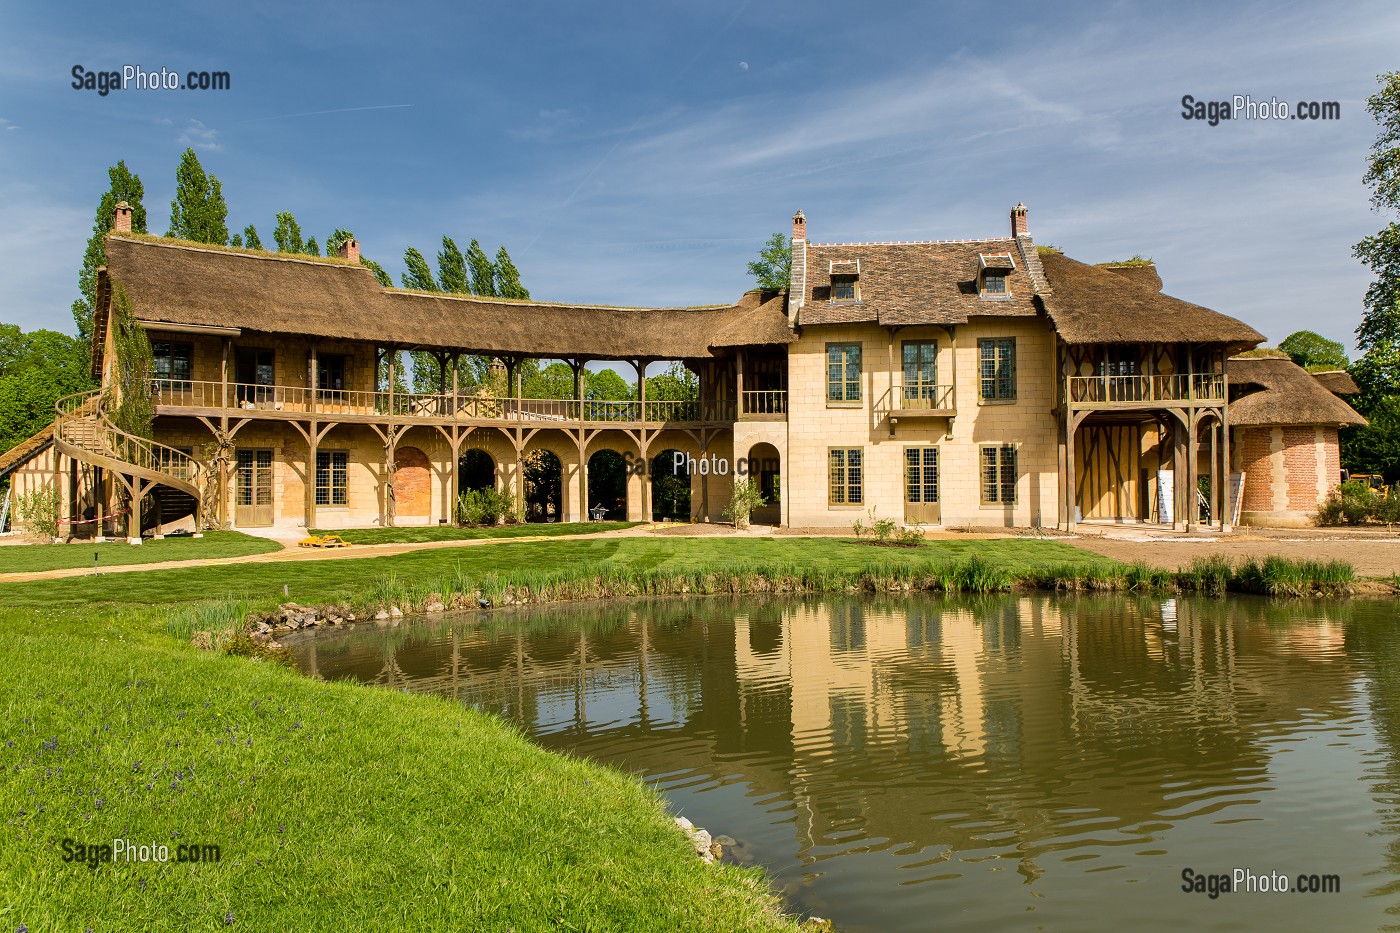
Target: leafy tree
[
  {"x": 1309, "y": 349},
  {"x": 338, "y": 238},
  {"x": 36, "y": 370},
  {"x": 553, "y": 381},
  {"x": 452, "y": 267},
  {"x": 287, "y": 234},
  {"x": 1376, "y": 447},
  {"x": 311, "y": 248},
  {"x": 378, "y": 270},
  {"x": 198, "y": 212},
  {"x": 129, "y": 395},
  {"x": 483, "y": 271},
  {"x": 773, "y": 267},
  {"x": 607, "y": 385},
  {"x": 677, "y": 384},
  {"x": 124, "y": 186},
  {"x": 236, "y": 241},
  {"x": 417, "y": 275},
  {"x": 508, "y": 278},
  {"x": 250, "y": 237}
]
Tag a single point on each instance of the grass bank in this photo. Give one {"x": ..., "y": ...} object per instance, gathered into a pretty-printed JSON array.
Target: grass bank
[
  {"x": 419, "y": 534},
  {"x": 29, "y": 558}
]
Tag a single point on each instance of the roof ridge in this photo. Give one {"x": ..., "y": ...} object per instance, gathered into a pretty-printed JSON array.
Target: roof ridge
[
  {"x": 533, "y": 303},
  {"x": 150, "y": 239},
  {"x": 994, "y": 239}
]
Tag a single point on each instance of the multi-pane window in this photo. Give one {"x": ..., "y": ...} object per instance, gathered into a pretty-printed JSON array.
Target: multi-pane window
[
  {"x": 330, "y": 372},
  {"x": 994, "y": 284},
  {"x": 997, "y": 357},
  {"x": 998, "y": 474},
  {"x": 921, "y": 474},
  {"x": 847, "y": 476},
  {"x": 172, "y": 362},
  {"x": 331, "y": 484},
  {"x": 843, "y": 372},
  {"x": 920, "y": 372},
  {"x": 843, "y": 287}
]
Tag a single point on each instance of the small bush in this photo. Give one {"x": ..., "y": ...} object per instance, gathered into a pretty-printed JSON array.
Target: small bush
[
  {"x": 484, "y": 507},
  {"x": 38, "y": 512},
  {"x": 747, "y": 497},
  {"x": 241, "y": 646},
  {"x": 1387, "y": 508},
  {"x": 1351, "y": 503}
]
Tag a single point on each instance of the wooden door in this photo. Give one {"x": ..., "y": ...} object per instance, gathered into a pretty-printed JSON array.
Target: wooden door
[
  {"x": 921, "y": 486},
  {"x": 920, "y": 374},
  {"x": 252, "y": 498}
]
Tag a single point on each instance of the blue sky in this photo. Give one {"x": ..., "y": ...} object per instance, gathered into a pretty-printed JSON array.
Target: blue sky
[{"x": 641, "y": 153}]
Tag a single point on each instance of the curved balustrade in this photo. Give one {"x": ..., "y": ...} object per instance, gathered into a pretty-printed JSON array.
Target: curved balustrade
[{"x": 83, "y": 431}]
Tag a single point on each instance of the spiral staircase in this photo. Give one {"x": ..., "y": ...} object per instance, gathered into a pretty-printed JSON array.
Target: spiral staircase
[{"x": 83, "y": 431}]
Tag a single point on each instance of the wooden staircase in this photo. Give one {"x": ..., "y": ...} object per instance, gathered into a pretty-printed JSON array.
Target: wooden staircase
[{"x": 82, "y": 431}]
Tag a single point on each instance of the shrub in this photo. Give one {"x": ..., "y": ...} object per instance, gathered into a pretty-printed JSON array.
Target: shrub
[
  {"x": 747, "y": 497},
  {"x": 1388, "y": 507},
  {"x": 485, "y": 507},
  {"x": 38, "y": 511},
  {"x": 1352, "y": 503}
]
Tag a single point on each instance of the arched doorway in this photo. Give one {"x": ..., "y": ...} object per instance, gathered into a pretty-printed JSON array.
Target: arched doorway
[
  {"x": 765, "y": 471},
  {"x": 476, "y": 470},
  {"x": 670, "y": 487},
  {"x": 607, "y": 485},
  {"x": 544, "y": 486},
  {"x": 413, "y": 484}
]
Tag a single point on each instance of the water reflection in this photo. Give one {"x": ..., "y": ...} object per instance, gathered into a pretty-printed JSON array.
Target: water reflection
[{"x": 910, "y": 764}]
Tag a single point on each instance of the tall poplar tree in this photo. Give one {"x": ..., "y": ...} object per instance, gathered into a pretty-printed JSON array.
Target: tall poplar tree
[
  {"x": 198, "y": 212},
  {"x": 125, "y": 186},
  {"x": 417, "y": 275},
  {"x": 250, "y": 237},
  {"x": 287, "y": 234},
  {"x": 508, "y": 278},
  {"x": 483, "y": 271},
  {"x": 452, "y": 267}
]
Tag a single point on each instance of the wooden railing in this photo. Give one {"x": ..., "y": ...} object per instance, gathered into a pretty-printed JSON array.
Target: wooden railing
[
  {"x": 924, "y": 397},
  {"x": 765, "y": 403},
  {"x": 410, "y": 406},
  {"x": 1144, "y": 389},
  {"x": 82, "y": 423}
]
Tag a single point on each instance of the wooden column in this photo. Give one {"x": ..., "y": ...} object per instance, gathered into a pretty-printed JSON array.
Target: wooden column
[
  {"x": 1178, "y": 473},
  {"x": 312, "y": 377},
  {"x": 1227, "y": 515},
  {"x": 1071, "y": 425},
  {"x": 1193, "y": 469},
  {"x": 223, "y": 374},
  {"x": 1214, "y": 474},
  {"x": 391, "y": 355},
  {"x": 739, "y": 386},
  {"x": 578, "y": 386},
  {"x": 313, "y": 444}
]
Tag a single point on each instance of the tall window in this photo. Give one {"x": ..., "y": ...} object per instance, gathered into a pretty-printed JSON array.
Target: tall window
[
  {"x": 847, "y": 476},
  {"x": 843, "y": 372},
  {"x": 920, "y": 372},
  {"x": 172, "y": 362},
  {"x": 332, "y": 487},
  {"x": 998, "y": 367},
  {"x": 921, "y": 474},
  {"x": 330, "y": 372},
  {"x": 998, "y": 474}
]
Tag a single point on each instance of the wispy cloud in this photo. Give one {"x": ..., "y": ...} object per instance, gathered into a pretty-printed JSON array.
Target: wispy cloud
[
  {"x": 317, "y": 113},
  {"x": 7, "y": 124},
  {"x": 198, "y": 136}
]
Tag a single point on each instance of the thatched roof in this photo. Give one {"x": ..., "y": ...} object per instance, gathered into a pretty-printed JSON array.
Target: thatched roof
[
  {"x": 186, "y": 284},
  {"x": 1269, "y": 391},
  {"x": 1143, "y": 274},
  {"x": 1101, "y": 304},
  {"x": 26, "y": 450},
  {"x": 916, "y": 283},
  {"x": 1338, "y": 382}
]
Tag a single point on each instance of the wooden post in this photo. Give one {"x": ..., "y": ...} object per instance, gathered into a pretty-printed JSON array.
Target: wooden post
[
  {"x": 1214, "y": 473},
  {"x": 313, "y": 444},
  {"x": 223, "y": 375},
  {"x": 391, "y": 355},
  {"x": 455, "y": 390},
  {"x": 1193, "y": 509},
  {"x": 578, "y": 386},
  {"x": 641, "y": 367},
  {"x": 1071, "y": 494},
  {"x": 313, "y": 377},
  {"x": 739, "y": 384},
  {"x": 1227, "y": 514}
]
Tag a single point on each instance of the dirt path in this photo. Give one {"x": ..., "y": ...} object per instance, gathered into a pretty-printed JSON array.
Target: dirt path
[{"x": 1373, "y": 555}]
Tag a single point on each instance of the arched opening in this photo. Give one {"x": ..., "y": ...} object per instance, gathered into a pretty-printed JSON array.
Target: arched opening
[
  {"x": 413, "y": 483},
  {"x": 765, "y": 471},
  {"x": 544, "y": 486},
  {"x": 476, "y": 470},
  {"x": 607, "y": 486},
  {"x": 670, "y": 487}
]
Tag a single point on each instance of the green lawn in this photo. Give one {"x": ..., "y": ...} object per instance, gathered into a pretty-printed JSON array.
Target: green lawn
[
  {"x": 24, "y": 558},
  {"x": 335, "y": 806},
  {"x": 418, "y": 534}
]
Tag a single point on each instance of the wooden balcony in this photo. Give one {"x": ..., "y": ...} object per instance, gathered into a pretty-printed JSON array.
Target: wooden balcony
[
  {"x": 764, "y": 405},
  {"x": 299, "y": 403},
  {"x": 918, "y": 401},
  {"x": 1144, "y": 391}
]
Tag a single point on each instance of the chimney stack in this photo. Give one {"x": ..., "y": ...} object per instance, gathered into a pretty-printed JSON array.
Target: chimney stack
[
  {"x": 350, "y": 250},
  {"x": 121, "y": 221},
  {"x": 1018, "y": 221},
  {"x": 799, "y": 226}
]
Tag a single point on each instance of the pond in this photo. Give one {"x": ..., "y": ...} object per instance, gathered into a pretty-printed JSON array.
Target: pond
[{"x": 921, "y": 763}]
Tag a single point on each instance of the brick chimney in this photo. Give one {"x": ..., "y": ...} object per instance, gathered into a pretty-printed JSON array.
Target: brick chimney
[
  {"x": 350, "y": 250},
  {"x": 797, "y": 278},
  {"x": 121, "y": 221},
  {"x": 1018, "y": 221}
]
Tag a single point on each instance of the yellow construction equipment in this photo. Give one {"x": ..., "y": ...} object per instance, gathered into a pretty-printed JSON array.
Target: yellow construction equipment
[{"x": 323, "y": 541}]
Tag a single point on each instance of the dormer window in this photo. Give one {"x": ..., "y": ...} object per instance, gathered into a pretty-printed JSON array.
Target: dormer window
[
  {"x": 845, "y": 279},
  {"x": 991, "y": 276}
]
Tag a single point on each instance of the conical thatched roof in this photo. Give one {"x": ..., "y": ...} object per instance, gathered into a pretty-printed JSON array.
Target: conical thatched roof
[
  {"x": 1278, "y": 391},
  {"x": 1338, "y": 382}
]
